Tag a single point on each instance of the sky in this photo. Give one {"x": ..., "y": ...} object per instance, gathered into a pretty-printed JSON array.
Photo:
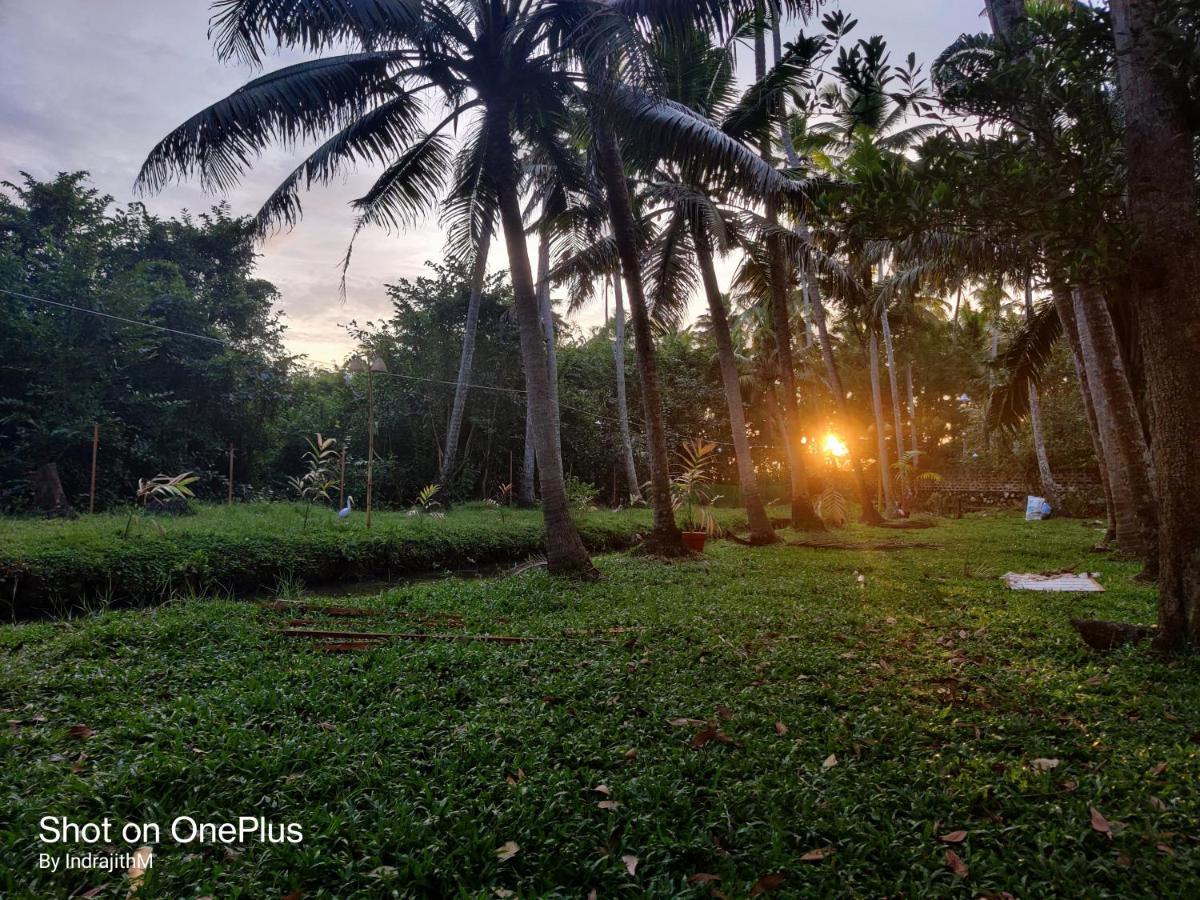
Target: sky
[{"x": 94, "y": 84}]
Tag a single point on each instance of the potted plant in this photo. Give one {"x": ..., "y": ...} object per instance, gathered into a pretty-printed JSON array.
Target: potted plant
[{"x": 691, "y": 493}]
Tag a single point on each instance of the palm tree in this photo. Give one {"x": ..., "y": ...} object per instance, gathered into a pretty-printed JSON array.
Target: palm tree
[
  {"x": 1049, "y": 487},
  {"x": 491, "y": 67},
  {"x": 804, "y": 516},
  {"x": 631, "y": 479},
  {"x": 699, "y": 76},
  {"x": 466, "y": 360}
]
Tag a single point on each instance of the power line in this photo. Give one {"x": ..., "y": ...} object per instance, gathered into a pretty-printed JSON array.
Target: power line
[{"x": 96, "y": 312}]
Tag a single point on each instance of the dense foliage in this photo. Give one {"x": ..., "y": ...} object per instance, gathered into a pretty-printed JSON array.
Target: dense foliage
[{"x": 165, "y": 401}]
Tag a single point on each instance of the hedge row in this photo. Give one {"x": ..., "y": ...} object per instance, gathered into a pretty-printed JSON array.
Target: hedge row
[{"x": 65, "y": 571}]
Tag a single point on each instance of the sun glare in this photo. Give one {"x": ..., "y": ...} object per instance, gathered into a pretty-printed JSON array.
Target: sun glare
[{"x": 835, "y": 446}]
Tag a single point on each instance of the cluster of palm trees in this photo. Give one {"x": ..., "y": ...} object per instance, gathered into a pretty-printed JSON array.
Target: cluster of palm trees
[{"x": 614, "y": 135}]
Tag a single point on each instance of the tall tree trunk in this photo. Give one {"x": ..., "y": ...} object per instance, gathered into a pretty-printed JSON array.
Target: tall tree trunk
[
  {"x": 912, "y": 417},
  {"x": 479, "y": 270},
  {"x": 565, "y": 553},
  {"x": 549, "y": 332},
  {"x": 1117, "y": 416},
  {"x": 631, "y": 479},
  {"x": 897, "y": 421},
  {"x": 804, "y": 516},
  {"x": 885, "y": 475},
  {"x": 870, "y": 515},
  {"x": 665, "y": 537},
  {"x": 1065, "y": 308},
  {"x": 1049, "y": 488},
  {"x": 761, "y": 531},
  {"x": 1005, "y": 15},
  {"x": 526, "y": 489},
  {"x": 1161, "y": 198}
]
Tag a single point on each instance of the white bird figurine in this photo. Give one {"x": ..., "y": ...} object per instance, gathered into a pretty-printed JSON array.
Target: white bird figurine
[{"x": 345, "y": 511}]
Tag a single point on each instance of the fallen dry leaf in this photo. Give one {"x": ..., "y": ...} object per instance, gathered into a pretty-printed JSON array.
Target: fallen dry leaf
[
  {"x": 1044, "y": 765},
  {"x": 956, "y": 865},
  {"x": 780, "y": 729},
  {"x": 830, "y": 761},
  {"x": 1099, "y": 823},
  {"x": 1159, "y": 769},
  {"x": 609, "y": 804},
  {"x": 1124, "y": 860},
  {"x": 80, "y": 732},
  {"x": 816, "y": 855},
  {"x": 768, "y": 883},
  {"x": 91, "y": 893},
  {"x": 602, "y": 789},
  {"x": 685, "y": 723},
  {"x": 724, "y": 712},
  {"x": 507, "y": 851},
  {"x": 953, "y": 837},
  {"x": 1157, "y": 804},
  {"x": 631, "y": 753},
  {"x": 1165, "y": 848},
  {"x": 703, "y": 878},
  {"x": 502, "y": 892},
  {"x": 631, "y": 863},
  {"x": 143, "y": 858},
  {"x": 703, "y": 738}
]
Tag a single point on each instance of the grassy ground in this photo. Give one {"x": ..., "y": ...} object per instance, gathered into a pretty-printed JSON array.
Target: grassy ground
[
  {"x": 62, "y": 565},
  {"x": 867, "y": 721}
]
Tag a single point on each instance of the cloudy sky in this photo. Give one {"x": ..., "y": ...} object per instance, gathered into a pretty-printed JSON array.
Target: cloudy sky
[{"x": 93, "y": 84}]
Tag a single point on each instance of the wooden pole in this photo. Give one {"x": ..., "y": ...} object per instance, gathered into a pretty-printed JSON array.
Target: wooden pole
[
  {"x": 342, "y": 479},
  {"x": 230, "y": 501},
  {"x": 95, "y": 449},
  {"x": 370, "y": 441}
]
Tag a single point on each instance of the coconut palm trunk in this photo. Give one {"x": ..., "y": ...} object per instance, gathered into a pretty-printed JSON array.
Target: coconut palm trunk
[
  {"x": 885, "y": 475},
  {"x": 870, "y": 515},
  {"x": 897, "y": 421},
  {"x": 549, "y": 332},
  {"x": 565, "y": 553},
  {"x": 912, "y": 417},
  {"x": 804, "y": 516},
  {"x": 1049, "y": 488},
  {"x": 1159, "y": 140},
  {"x": 761, "y": 531},
  {"x": 1120, "y": 428},
  {"x": 665, "y": 537},
  {"x": 1127, "y": 525},
  {"x": 465, "y": 361},
  {"x": 1064, "y": 306},
  {"x": 526, "y": 487},
  {"x": 631, "y": 479}
]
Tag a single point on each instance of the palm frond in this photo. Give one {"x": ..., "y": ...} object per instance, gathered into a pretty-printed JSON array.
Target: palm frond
[
  {"x": 241, "y": 29},
  {"x": 670, "y": 274},
  {"x": 1023, "y": 362},
  {"x": 375, "y": 136},
  {"x": 299, "y": 102}
]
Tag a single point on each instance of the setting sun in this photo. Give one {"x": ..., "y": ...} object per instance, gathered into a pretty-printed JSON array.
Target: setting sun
[{"x": 835, "y": 446}]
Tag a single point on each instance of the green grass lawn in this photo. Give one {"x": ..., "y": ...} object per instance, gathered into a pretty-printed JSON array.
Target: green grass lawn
[{"x": 812, "y": 713}]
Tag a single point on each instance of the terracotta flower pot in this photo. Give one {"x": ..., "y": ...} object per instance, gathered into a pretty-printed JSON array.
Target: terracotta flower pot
[{"x": 694, "y": 540}]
